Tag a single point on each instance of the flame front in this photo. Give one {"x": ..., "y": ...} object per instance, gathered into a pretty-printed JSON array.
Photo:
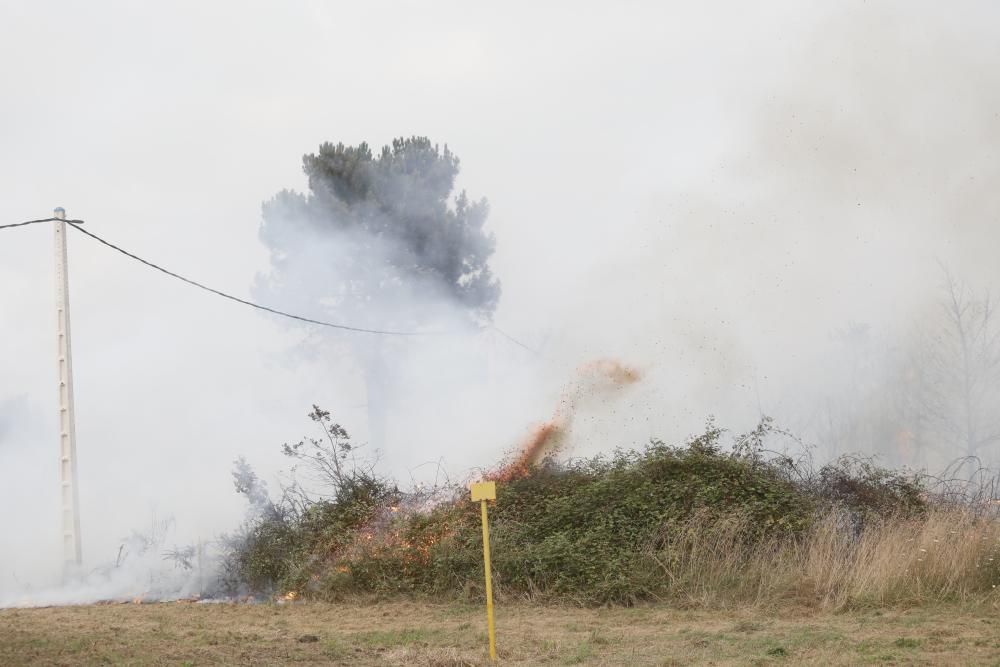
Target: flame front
[{"x": 546, "y": 438}]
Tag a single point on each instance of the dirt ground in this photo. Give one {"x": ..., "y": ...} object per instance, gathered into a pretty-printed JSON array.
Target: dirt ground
[{"x": 410, "y": 633}]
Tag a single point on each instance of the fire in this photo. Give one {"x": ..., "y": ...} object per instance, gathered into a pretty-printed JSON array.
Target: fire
[
  {"x": 904, "y": 443},
  {"x": 138, "y": 598},
  {"x": 290, "y": 596},
  {"x": 386, "y": 534},
  {"x": 613, "y": 370},
  {"x": 546, "y": 438}
]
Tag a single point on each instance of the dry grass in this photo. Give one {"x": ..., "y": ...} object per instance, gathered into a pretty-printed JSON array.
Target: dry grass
[
  {"x": 947, "y": 556},
  {"x": 406, "y": 633},
  {"x": 904, "y": 591}
]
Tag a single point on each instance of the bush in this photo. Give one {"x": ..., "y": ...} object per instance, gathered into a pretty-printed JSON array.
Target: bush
[
  {"x": 869, "y": 491},
  {"x": 694, "y": 524},
  {"x": 284, "y": 544}
]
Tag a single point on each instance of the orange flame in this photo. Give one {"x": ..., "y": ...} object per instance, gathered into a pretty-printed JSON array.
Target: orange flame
[
  {"x": 546, "y": 438},
  {"x": 383, "y": 534}
]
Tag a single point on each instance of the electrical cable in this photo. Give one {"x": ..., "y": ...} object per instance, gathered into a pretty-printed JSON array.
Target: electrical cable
[
  {"x": 512, "y": 339},
  {"x": 32, "y": 222},
  {"x": 258, "y": 306},
  {"x": 344, "y": 327}
]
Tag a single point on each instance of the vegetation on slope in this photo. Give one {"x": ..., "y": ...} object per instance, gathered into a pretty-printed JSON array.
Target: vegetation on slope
[{"x": 698, "y": 524}]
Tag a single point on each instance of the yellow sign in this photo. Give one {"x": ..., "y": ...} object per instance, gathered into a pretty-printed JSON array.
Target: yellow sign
[{"x": 483, "y": 491}]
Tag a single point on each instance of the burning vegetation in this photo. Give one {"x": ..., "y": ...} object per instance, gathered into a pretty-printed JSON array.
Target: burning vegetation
[
  {"x": 602, "y": 377},
  {"x": 705, "y": 521},
  {"x": 615, "y": 530},
  {"x": 366, "y": 519}
]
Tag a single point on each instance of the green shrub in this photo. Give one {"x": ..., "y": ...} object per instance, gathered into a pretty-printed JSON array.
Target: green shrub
[{"x": 600, "y": 530}]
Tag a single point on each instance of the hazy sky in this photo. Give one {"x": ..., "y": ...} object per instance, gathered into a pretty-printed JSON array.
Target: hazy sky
[{"x": 706, "y": 190}]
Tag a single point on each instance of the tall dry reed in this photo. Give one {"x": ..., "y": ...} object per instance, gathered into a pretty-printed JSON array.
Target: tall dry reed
[{"x": 945, "y": 555}]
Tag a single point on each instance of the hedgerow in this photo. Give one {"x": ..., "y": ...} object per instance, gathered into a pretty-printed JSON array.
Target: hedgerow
[{"x": 609, "y": 529}]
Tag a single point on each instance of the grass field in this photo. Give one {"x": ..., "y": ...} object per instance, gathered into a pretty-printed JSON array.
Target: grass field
[{"x": 405, "y": 633}]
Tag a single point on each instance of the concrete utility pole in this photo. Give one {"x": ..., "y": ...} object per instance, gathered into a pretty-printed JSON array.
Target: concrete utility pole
[{"x": 67, "y": 421}]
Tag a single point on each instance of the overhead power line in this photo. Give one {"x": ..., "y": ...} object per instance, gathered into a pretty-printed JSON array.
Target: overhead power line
[
  {"x": 258, "y": 306},
  {"x": 512, "y": 339},
  {"x": 33, "y": 222},
  {"x": 75, "y": 224}
]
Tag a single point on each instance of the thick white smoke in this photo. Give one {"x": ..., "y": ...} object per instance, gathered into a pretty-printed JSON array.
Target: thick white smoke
[{"x": 752, "y": 211}]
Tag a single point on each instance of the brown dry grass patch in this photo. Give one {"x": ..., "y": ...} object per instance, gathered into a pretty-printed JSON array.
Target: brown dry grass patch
[
  {"x": 410, "y": 633},
  {"x": 945, "y": 556}
]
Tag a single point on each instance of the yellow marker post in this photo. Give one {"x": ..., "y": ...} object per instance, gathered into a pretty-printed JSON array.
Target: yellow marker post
[{"x": 483, "y": 491}]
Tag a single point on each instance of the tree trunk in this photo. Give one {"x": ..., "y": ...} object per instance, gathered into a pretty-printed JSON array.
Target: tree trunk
[{"x": 377, "y": 388}]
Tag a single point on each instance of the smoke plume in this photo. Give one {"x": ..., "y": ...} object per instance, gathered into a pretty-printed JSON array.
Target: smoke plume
[{"x": 752, "y": 205}]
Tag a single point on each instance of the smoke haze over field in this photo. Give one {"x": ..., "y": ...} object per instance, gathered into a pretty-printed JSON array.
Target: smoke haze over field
[{"x": 749, "y": 205}]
